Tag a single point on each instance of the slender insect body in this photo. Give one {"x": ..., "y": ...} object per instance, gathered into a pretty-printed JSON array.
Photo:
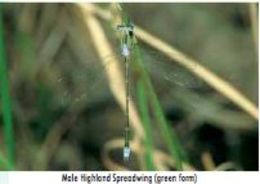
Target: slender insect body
[{"x": 126, "y": 40}]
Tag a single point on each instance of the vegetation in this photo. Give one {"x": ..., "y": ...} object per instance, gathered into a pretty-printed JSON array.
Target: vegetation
[{"x": 194, "y": 87}]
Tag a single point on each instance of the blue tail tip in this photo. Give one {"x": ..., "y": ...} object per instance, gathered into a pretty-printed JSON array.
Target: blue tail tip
[{"x": 126, "y": 153}]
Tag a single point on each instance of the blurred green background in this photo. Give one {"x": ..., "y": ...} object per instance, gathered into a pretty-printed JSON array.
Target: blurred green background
[{"x": 63, "y": 111}]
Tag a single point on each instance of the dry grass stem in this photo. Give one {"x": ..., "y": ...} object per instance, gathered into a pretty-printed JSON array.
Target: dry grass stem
[
  {"x": 225, "y": 166},
  {"x": 27, "y": 18},
  {"x": 207, "y": 161},
  {"x": 164, "y": 159},
  {"x": 53, "y": 138},
  {"x": 54, "y": 40}
]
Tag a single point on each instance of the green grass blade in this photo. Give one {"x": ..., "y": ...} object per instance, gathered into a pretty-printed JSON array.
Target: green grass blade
[
  {"x": 6, "y": 99},
  {"x": 167, "y": 132},
  {"x": 144, "y": 111}
]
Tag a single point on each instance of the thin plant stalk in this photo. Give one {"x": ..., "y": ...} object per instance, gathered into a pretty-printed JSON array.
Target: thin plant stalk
[
  {"x": 144, "y": 112},
  {"x": 6, "y": 99}
]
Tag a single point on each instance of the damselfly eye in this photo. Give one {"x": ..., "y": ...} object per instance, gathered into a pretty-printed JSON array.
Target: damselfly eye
[{"x": 131, "y": 33}]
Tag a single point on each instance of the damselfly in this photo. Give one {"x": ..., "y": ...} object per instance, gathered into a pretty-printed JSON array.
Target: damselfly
[{"x": 126, "y": 41}]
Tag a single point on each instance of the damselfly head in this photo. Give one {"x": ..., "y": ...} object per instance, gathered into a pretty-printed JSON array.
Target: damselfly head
[{"x": 126, "y": 29}]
